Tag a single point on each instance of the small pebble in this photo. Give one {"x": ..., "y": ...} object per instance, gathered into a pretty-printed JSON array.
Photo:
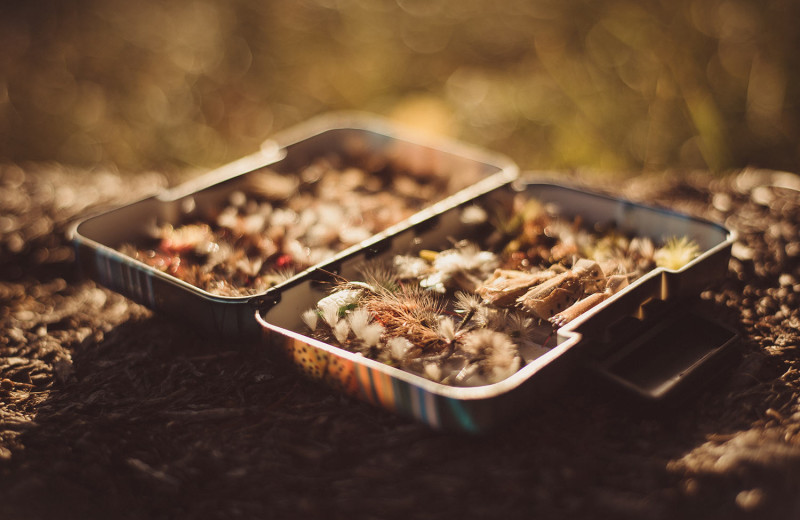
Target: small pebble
[
  {"x": 742, "y": 252},
  {"x": 750, "y": 499},
  {"x": 762, "y": 195},
  {"x": 722, "y": 202}
]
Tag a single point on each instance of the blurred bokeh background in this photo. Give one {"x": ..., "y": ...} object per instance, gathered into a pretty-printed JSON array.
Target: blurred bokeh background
[{"x": 616, "y": 86}]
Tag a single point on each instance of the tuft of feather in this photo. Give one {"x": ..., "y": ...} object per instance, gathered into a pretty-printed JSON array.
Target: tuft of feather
[
  {"x": 466, "y": 258},
  {"x": 494, "y": 352},
  {"x": 519, "y": 325},
  {"x": 410, "y": 267},
  {"x": 341, "y": 331},
  {"x": 330, "y": 312},
  {"x": 676, "y": 253},
  {"x": 359, "y": 320},
  {"x": 496, "y": 319},
  {"x": 249, "y": 266},
  {"x": 446, "y": 329},
  {"x": 483, "y": 316},
  {"x": 433, "y": 372},
  {"x": 379, "y": 277},
  {"x": 398, "y": 347},
  {"x": 641, "y": 250},
  {"x": 467, "y": 303},
  {"x": 462, "y": 266},
  {"x": 482, "y": 343},
  {"x": 371, "y": 334},
  {"x": 310, "y": 318}
]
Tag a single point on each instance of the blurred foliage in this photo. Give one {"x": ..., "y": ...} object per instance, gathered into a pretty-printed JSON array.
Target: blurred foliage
[{"x": 621, "y": 85}]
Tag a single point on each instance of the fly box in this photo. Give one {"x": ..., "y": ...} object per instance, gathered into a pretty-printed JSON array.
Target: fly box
[
  {"x": 425, "y": 277},
  {"x": 213, "y": 249},
  {"x": 624, "y": 319}
]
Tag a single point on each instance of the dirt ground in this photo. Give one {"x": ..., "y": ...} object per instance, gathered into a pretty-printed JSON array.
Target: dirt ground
[{"x": 111, "y": 411}]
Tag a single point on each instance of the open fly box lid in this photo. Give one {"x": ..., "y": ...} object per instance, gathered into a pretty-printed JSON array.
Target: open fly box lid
[{"x": 164, "y": 251}]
